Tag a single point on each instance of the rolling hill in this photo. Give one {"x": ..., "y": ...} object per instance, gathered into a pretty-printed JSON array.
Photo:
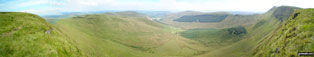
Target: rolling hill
[
  {"x": 218, "y": 20},
  {"x": 202, "y": 18},
  {"x": 120, "y": 35},
  {"x": 282, "y": 31}
]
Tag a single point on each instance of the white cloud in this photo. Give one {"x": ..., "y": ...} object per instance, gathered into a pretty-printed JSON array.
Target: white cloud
[
  {"x": 31, "y": 3},
  {"x": 44, "y": 11}
]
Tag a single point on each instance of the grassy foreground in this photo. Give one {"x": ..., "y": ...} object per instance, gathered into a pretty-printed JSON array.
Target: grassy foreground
[
  {"x": 28, "y": 35},
  {"x": 295, "y": 35}
]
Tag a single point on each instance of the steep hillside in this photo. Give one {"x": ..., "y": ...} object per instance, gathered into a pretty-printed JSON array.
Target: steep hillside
[
  {"x": 266, "y": 23},
  {"x": 239, "y": 20},
  {"x": 295, "y": 35},
  {"x": 120, "y": 35},
  {"x": 24, "y": 34}
]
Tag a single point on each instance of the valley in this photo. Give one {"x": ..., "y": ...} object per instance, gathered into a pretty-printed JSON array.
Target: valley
[{"x": 281, "y": 31}]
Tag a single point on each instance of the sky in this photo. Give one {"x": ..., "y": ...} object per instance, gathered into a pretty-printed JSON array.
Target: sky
[{"x": 55, "y": 7}]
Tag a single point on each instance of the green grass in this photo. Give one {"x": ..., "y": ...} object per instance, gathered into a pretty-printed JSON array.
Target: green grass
[
  {"x": 256, "y": 32},
  {"x": 98, "y": 35},
  {"x": 102, "y": 34},
  {"x": 26, "y": 35},
  {"x": 295, "y": 35},
  {"x": 129, "y": 34},
  {"x": 214, "y": 38}
]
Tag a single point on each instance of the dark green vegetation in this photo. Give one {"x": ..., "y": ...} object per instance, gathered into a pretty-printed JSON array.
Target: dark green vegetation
[
  {"x": 24, "y": 34},
  {"x": 237, "y": 30},
  {"x": 216, "y": 38},
  {"x": 191, "y": 20},
  {"x": 130, "y": 34},
  {"x": 202, "y": 18},
  {"x": 219, "y": 20},
  {"x": 295, "y": 35},
  {"x": 264, "y": 25}
]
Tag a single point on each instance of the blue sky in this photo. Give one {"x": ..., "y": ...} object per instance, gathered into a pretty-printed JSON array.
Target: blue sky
[{"x": 55, "y": 7}]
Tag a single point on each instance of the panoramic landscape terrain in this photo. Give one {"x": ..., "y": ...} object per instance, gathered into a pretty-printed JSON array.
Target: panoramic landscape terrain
[{"x": 279, "y": 31}]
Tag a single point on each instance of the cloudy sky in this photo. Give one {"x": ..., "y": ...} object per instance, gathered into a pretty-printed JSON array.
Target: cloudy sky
[{"x": 52, "y": 7}]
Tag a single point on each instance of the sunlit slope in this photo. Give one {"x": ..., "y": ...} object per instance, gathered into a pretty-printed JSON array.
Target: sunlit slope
[
  {"x": 122, "y": 35},
  {"x": 216, "y": 38},
  {"x": 238, "y": 20},
  {"x": 264, "y": 26},
  {"x": 295, "y": 35},
  {"x": 28, "y": 35}
]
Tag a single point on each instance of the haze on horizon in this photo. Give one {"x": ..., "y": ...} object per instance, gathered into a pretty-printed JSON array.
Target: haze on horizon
[{"x": 55, "y": 7}]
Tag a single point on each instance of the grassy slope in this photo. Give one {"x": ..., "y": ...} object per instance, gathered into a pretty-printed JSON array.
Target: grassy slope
[
  {"x": 117, "y": 35},
  {"x": 265, "y": 25},
  {"x": 121, "y": 35},
  {"x": 239, "y": 20},
  {"x": 214, "y": 38},
  {"x": 296, "y": 35},
  {"x": 24, "y": 34}
]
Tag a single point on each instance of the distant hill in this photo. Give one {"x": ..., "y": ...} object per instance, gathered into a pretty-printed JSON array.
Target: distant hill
[
  {"x": 192, "y": 20},
  {"x": 173, "y": 16},
  {"x": 209, "y": 20},
  {"x": 202, "y": 18},
  {"x": 244, "y": 13},
  {"x": 127, "y": 14},
  {"x": 154, "y": 14}
]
